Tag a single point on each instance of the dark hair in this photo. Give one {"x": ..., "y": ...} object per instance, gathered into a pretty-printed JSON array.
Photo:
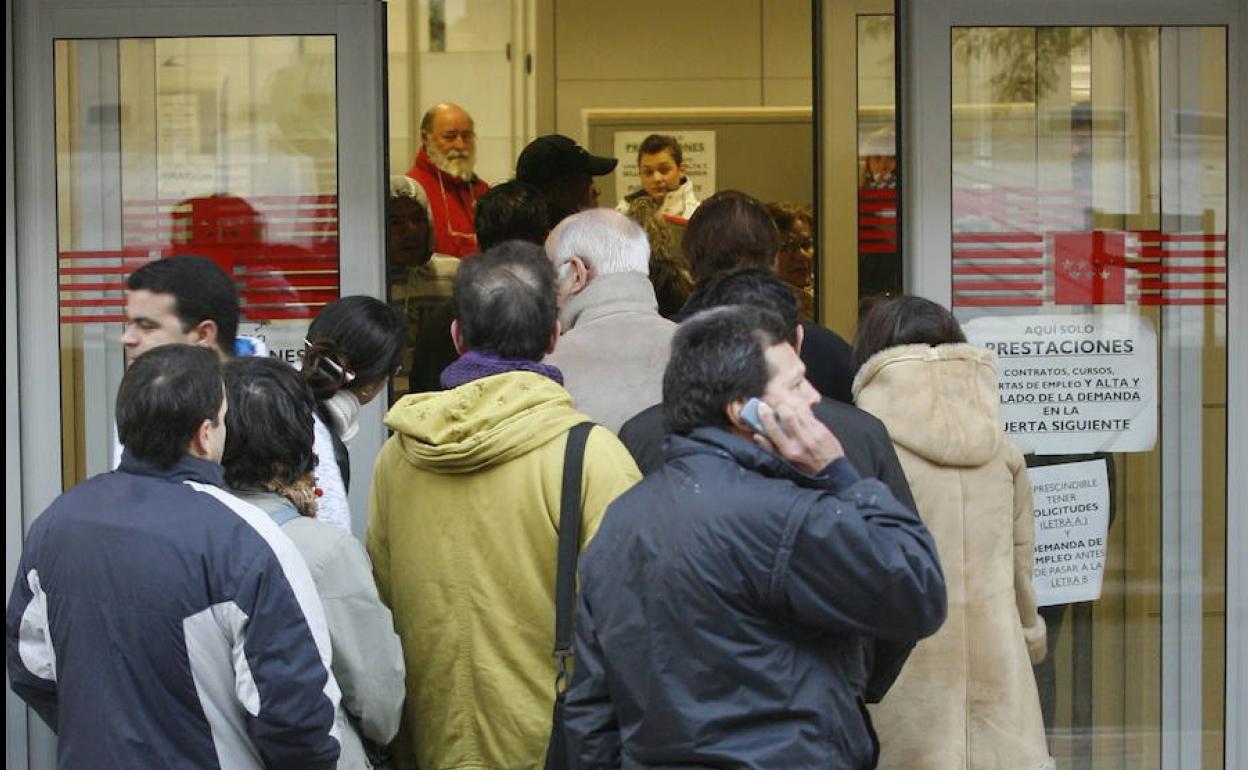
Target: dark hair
[
  {"x": 268, "y": 424},
  {"x": 165, "y": 395},
  {"x": 511, "y": 211},
  {"x": 786, "y": 215},
  {"x": 904, "y": 320},
  {"x": 728, "y": 231},
  {"x": 358, "y": 334},
  {"x": 757, "y": 288},
  {"x": 656, "y": 143},
  {"x": 201, "y": 291},
  {"x": 718, "y": 356},
  {"x": 505, "y": 301}
]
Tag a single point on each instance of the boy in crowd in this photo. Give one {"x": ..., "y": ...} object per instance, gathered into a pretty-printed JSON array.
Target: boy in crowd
[{"x": 661, "y": 168}]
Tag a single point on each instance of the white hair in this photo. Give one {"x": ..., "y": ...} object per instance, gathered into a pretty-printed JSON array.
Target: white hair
[{"x": 606, "y": 240}]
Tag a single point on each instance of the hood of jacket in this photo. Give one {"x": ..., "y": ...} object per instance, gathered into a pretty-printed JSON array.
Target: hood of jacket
[
  {"x": 481, "y": 423},
  {"x": 939, "y": 402}
]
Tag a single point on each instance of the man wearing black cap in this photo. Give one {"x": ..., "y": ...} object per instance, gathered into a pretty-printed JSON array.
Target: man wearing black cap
[{"x": 564, "y": 172}]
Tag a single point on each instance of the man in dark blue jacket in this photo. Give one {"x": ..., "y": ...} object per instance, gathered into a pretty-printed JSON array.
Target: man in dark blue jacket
[
  {"x": 157, "y": 621},
  {"x": 726, "y": 599}
]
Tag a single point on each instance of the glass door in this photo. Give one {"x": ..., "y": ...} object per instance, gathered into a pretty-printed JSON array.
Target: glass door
[
  {"x": 1074, "y": 205},
  {"x": 1089, "y": 249},
  {"x": 222, "y": 147},
  {"x": 239, "y": 132}
]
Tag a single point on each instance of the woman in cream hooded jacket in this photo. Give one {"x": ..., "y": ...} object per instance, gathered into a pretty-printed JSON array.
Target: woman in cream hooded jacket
[{"x": 967, "y": 697}]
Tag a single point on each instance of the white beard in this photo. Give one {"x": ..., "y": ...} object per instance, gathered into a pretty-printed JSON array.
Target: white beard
[{"x": 460, "y": 166}]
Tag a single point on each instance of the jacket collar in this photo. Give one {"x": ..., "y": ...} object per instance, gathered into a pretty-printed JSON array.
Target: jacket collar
[
  {"x": 676, "y": 202},
  {"x": 187, "y": 468},
  {"x": 424, "y": 162},
  {"x": 606, "y": 295},
  {"x": 732, "y": 447}
]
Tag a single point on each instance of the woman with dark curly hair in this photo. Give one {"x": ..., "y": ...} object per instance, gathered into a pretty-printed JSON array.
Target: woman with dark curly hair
[
  {"x": 269, "y": 462},
  {"x": 795, "y": 262},
  {"x": 354, "y": 346}
]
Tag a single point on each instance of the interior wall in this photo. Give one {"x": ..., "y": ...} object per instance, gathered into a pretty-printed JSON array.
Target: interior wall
[
  {"x": 702, "y": 53},
  {"x": 468, "y": 63}
]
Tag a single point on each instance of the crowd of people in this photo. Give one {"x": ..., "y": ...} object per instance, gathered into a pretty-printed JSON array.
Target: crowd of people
[{"x": 788, "y": 551}]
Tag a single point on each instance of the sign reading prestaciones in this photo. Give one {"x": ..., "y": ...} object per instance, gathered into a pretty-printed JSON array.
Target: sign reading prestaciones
[
  {"x": 1074, "y": 383},
  {"x": 1071, "y": 509},
  {"x": 696, "y": 147}
]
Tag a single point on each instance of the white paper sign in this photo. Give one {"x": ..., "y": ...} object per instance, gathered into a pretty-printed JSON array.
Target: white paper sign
[
  {"x": 1074, "y": 383},
  {"x": 697, "y": 147},
  {"x": 284, "y": 338},
  {"x": 1071, "y": 503}
]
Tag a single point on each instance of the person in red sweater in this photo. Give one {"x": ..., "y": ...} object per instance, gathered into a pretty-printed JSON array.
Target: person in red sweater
[{"x": 444, "y": 167}]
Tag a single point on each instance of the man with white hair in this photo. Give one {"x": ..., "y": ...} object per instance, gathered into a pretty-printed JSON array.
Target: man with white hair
[
  {"x": 615, "y": 344},
  {"x": 445, "y": 169}
]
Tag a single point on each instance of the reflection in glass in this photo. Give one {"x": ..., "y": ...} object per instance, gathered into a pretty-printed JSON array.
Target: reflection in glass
[
  {"x": 879, "y": 258},
  {"x": 220, "y": 147},
  {"x": 1089, "y": 184}
]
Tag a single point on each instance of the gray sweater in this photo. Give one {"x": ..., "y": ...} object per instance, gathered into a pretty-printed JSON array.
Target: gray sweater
[{"x": 368, "y": 659}]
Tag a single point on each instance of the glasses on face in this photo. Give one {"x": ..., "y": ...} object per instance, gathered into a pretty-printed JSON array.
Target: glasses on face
[{"x": 798, "y": 244}]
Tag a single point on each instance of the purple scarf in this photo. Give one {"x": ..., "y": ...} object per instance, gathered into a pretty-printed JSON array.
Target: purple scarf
[{"x": 474, "y": 365}]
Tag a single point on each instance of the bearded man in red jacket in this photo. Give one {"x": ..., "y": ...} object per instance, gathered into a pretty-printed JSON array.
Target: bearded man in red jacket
[{"x": 445, "y": 168}]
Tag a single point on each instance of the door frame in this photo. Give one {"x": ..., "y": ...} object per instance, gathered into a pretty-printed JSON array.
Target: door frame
[
  {"x": 31, "y": 272},
  {"x": 927, "y": 171}
]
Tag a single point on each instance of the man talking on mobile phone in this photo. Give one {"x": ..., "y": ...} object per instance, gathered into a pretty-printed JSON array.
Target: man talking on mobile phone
[{"x": 729, "y": 599}]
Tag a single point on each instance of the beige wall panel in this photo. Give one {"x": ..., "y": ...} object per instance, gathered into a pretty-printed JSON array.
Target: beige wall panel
[
  {"x": 646, "y": 39},
  {"x": 1213, "y": 526},
  {"x": 786, "y": 92},
  {"x": 786, "y": 39},
  {"x": 1214, "y": 353},
  {"x": 1108, "y": 645},
  {"x": 577, "y": 95},
  {"x": 743, "y": 161},
  {"x": 1213, "y": 686}
]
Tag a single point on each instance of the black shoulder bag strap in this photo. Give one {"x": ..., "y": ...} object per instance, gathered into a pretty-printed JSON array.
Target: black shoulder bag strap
[{"x": 565, "y": 583}]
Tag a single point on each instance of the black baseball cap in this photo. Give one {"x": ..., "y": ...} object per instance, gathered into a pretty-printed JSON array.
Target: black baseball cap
[{"x": 547, "y": 158}]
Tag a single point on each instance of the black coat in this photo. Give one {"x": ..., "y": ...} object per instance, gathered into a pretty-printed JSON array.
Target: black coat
[
  {"x": 829, "y": 362},
  {"x": 828, "y": 357},
  {"x": 725, "y": 602},
  {"x": 865, "y": 439}
]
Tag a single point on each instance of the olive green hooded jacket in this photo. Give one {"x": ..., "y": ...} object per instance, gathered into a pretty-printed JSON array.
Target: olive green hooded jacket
[{"x": 463, "y": 532}]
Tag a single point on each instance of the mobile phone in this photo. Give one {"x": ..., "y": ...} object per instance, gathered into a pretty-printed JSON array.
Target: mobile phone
[{"x": 749, "y": 415}]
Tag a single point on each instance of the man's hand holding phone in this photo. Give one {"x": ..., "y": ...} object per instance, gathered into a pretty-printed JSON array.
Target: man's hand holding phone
[{"x": 794, "y": 433}]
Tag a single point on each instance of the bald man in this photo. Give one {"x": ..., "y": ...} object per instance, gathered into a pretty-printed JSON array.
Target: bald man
[
  {"x": 615, "y": 344},
  {"x": 444, "y": 168}
]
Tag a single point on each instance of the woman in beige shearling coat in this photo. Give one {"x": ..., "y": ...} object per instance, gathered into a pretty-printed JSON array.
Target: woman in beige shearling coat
[{"x": 967, "y": 696}]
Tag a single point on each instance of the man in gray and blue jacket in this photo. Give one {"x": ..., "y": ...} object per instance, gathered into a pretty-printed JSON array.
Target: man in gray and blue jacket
[{"x": 157, "y": 621}]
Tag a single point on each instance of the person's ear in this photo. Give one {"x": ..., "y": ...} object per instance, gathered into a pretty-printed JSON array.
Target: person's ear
[
  {"x": 573, "y": 276},
  {"x": 732, "y": 410},
  {"x": 580, "y": 274},
  {"x": 204, "y": 333},
  {"x": 201, "y": 441},
  {"x": 800, "y": 337},
  {"x": 457, "y": 337},
  {"x": 681, "y": 167},
  {"x": 554, "y": 337}
]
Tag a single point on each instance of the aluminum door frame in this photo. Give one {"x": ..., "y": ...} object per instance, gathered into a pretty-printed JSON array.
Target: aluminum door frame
[
  {"x": 33, "y": 427},
  {"x": 925, "y": 32}
]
